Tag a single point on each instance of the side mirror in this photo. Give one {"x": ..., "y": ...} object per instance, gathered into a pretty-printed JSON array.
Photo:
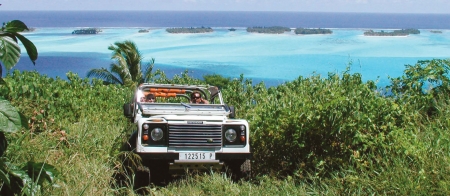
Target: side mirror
[
  {"x": 232, "y": 112},
  {"x": 128, "y": 110}
]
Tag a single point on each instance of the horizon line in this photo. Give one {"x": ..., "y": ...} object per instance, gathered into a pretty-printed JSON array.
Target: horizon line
[{"x": 335, "y": 12}]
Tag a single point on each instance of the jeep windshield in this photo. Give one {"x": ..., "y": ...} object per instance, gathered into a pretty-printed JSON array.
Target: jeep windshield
[
  {"x": 179, "y": 109},
  {"x": 155, "y": 99}
]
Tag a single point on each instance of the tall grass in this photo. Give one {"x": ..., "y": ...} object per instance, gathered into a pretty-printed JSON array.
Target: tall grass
[
  {"x": 82, "y": 154},
  {"x": 332, "y": 135}
]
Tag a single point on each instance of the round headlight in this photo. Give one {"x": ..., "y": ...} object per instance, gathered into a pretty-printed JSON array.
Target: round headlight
[
  {"x": 157, "y": 134},
  {"x": 145, "y": 126},
  {"x": 230, "y": 135}
]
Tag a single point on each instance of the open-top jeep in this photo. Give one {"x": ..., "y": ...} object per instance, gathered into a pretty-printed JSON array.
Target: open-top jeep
[{"x": 174, "y": 135}]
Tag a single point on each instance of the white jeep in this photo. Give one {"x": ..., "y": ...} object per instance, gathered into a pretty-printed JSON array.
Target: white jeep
[{"x": 174, "y": 135}]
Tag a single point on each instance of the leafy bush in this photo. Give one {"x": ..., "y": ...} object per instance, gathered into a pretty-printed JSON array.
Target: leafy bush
[
  {"x": 334, "y": 134},
  {"x": 318, "y": 124},
  {"x": 423, "y": 85},
  {"x": 328, "y": 127},
  {"x": 217, "y": 80},
  {"x": 64, "y": 99}
]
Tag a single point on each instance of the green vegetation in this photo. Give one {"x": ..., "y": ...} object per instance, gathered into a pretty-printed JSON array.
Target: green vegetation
[
  {"x": 217, "y": 80},
  {"x": 322, "y": 135},
  {"x": 127, "y": 69},
  {"x": 312, "y": 31},
  {"x": 334, "y": 135},
  {"x": 31, "y": 176},
  {"x": 435, "y": 31},
  {"x": 402, "y": 32},
  {"x": 190, "y": 30},
  {"x": 87, "y": 31},
  {"x": 269, "y": 30},
  {"x": 10, "y": 49}
]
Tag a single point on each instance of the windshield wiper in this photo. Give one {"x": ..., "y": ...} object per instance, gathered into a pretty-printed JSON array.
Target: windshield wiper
[{"x": 186, "y": 105}]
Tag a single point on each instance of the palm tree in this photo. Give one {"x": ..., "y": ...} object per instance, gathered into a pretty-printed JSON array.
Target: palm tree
[{"x": 127, "y": 69}]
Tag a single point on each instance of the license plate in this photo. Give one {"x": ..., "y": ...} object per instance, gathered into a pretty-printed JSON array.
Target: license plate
[{"x": 197, "y": 156}]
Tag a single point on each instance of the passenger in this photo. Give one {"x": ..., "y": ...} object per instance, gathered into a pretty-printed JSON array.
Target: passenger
[
  {"x": 150, "y": 98},
  {"x": 141, "y": 96},
  {"x": 196, "y": 97}
]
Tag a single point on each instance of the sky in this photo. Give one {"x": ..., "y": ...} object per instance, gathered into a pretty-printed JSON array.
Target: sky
[{"x": 368, "y": 6}]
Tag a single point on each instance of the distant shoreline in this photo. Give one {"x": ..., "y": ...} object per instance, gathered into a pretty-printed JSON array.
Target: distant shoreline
[
  {"x": 226, "y": 29},
  {"x": 216, "y": 28},
  {"x": 236, "y": 19}
]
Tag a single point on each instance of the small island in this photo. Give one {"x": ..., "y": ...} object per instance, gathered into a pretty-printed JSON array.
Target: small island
[
  {"x": 190, "y": 30},
  {"x": 402, "y": 32},
  {"x": 87, "y": 31},
  {"x": 268, "y": 30},
  {"x": 232, "y": 29},
  {"x": 435, "y": 31},
  {"x": 143, "y": 31},
  {"x": 308, "y": 31}
]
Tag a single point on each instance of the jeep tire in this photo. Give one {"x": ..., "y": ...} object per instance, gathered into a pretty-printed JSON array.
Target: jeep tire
[{"x": 238, "y": 169}]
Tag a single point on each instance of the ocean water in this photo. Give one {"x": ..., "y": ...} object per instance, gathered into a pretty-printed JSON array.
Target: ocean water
[{"x": 273, "y": 59}]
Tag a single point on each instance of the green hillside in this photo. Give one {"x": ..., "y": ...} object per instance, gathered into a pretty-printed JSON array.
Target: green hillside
[{"x": 325, "y": 135}]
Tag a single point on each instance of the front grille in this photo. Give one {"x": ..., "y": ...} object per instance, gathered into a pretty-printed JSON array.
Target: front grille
[{"x": 186, "y": 135}]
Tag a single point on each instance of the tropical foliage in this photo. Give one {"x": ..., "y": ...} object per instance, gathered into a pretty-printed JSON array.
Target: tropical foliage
[
  {"x": 332, "y": 135},
  {"x": 269, "y": 30},
  {"x": 312, "y": 31},
  {"x": 324, "y": 135},
  {"x": 190, "y": 30},
  {"x": 9, "y": 47},
  {"x": 31, "y": 177},
  {"x": 127, "y": 69},
  {"x": 402, "y": 32},
  {"x": 217, "y": 80}
]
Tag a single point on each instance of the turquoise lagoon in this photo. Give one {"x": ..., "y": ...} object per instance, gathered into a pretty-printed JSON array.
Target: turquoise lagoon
[{"x": 273, "y": 59}]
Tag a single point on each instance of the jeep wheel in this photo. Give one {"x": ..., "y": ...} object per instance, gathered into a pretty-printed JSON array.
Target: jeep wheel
[
  {"x": 238, "y": 169},
  {"x": 142, "y": 179},
  {"x": 159, "y": 171},
  {"x": 145, "y": 176}
]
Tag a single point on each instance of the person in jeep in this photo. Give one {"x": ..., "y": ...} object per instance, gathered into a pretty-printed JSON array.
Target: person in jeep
[
  {"x": 150, "y": 98},
  {"x": 196, "y": 97}
]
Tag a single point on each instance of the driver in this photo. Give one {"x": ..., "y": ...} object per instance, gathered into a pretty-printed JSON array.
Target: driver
[{"x": 196, "y": 97}]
